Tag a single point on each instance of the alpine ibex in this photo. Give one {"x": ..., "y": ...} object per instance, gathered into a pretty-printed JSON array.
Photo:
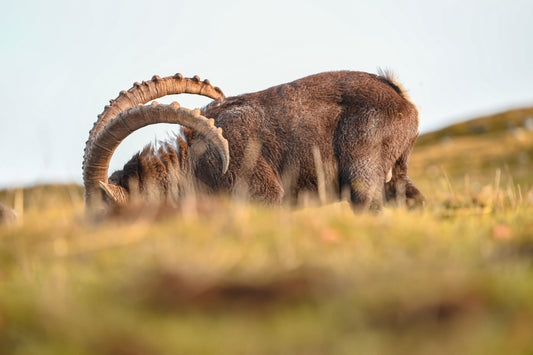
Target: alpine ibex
[{"x": 348, "y": 131}]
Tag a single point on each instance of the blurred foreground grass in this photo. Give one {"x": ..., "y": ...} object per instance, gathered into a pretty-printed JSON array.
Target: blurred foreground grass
[{"x": 233, "y": 278}]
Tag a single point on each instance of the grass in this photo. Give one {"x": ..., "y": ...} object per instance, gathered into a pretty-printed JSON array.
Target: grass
[{"x": 454, "y": 278}]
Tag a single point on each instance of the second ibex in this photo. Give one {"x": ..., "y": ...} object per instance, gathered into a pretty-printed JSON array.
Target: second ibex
[{"x": 339, "y": 131}]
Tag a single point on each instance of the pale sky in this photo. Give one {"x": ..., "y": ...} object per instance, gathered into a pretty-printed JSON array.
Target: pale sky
[{"x": 61, "y": 61}]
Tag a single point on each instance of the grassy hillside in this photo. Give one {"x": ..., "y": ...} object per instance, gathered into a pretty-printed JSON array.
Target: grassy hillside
[
  {"x": 492, "y": 124},
  {"x": 224, "y": 277},
  {"x": 472, "y": 157}
]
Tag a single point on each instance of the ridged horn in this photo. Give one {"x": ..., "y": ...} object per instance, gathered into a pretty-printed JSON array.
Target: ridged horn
[
  {"x": 96, "y": 167},
  {"x": 148, "y": 91}
]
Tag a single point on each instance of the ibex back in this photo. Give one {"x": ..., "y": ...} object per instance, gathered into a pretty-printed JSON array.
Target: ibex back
[{"x": 342, "y": 131}]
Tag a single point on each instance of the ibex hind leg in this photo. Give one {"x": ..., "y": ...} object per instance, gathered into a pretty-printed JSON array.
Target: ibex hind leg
[
  {"x": 400, "y": 188},
  {"x": 359, "y": 156},
  {"x": 364, "y": 179}
]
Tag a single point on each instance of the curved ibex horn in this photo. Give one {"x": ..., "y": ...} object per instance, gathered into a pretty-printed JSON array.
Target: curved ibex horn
[
  {"x": 96, "y": 165},
  {"x": 148, "y": 91}
]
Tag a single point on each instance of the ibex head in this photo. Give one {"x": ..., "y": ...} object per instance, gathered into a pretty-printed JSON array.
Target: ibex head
[{"x": 127, "y": 114}]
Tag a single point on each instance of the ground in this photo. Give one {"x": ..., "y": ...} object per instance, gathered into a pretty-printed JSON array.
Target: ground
[{"x": 225, "y": 277}]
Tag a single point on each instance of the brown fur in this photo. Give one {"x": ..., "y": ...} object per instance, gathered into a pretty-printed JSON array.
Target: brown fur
[{"x": 362, "y": 124}]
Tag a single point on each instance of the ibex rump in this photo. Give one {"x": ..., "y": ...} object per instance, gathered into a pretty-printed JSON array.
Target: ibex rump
[{"x": 359, "y": 127}]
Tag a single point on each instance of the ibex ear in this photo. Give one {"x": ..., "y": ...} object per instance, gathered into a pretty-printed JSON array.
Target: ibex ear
[{"x": 116, "y": 194}]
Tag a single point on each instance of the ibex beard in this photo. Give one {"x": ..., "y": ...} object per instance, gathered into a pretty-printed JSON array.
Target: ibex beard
[{"x": 344, "y": 133}]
